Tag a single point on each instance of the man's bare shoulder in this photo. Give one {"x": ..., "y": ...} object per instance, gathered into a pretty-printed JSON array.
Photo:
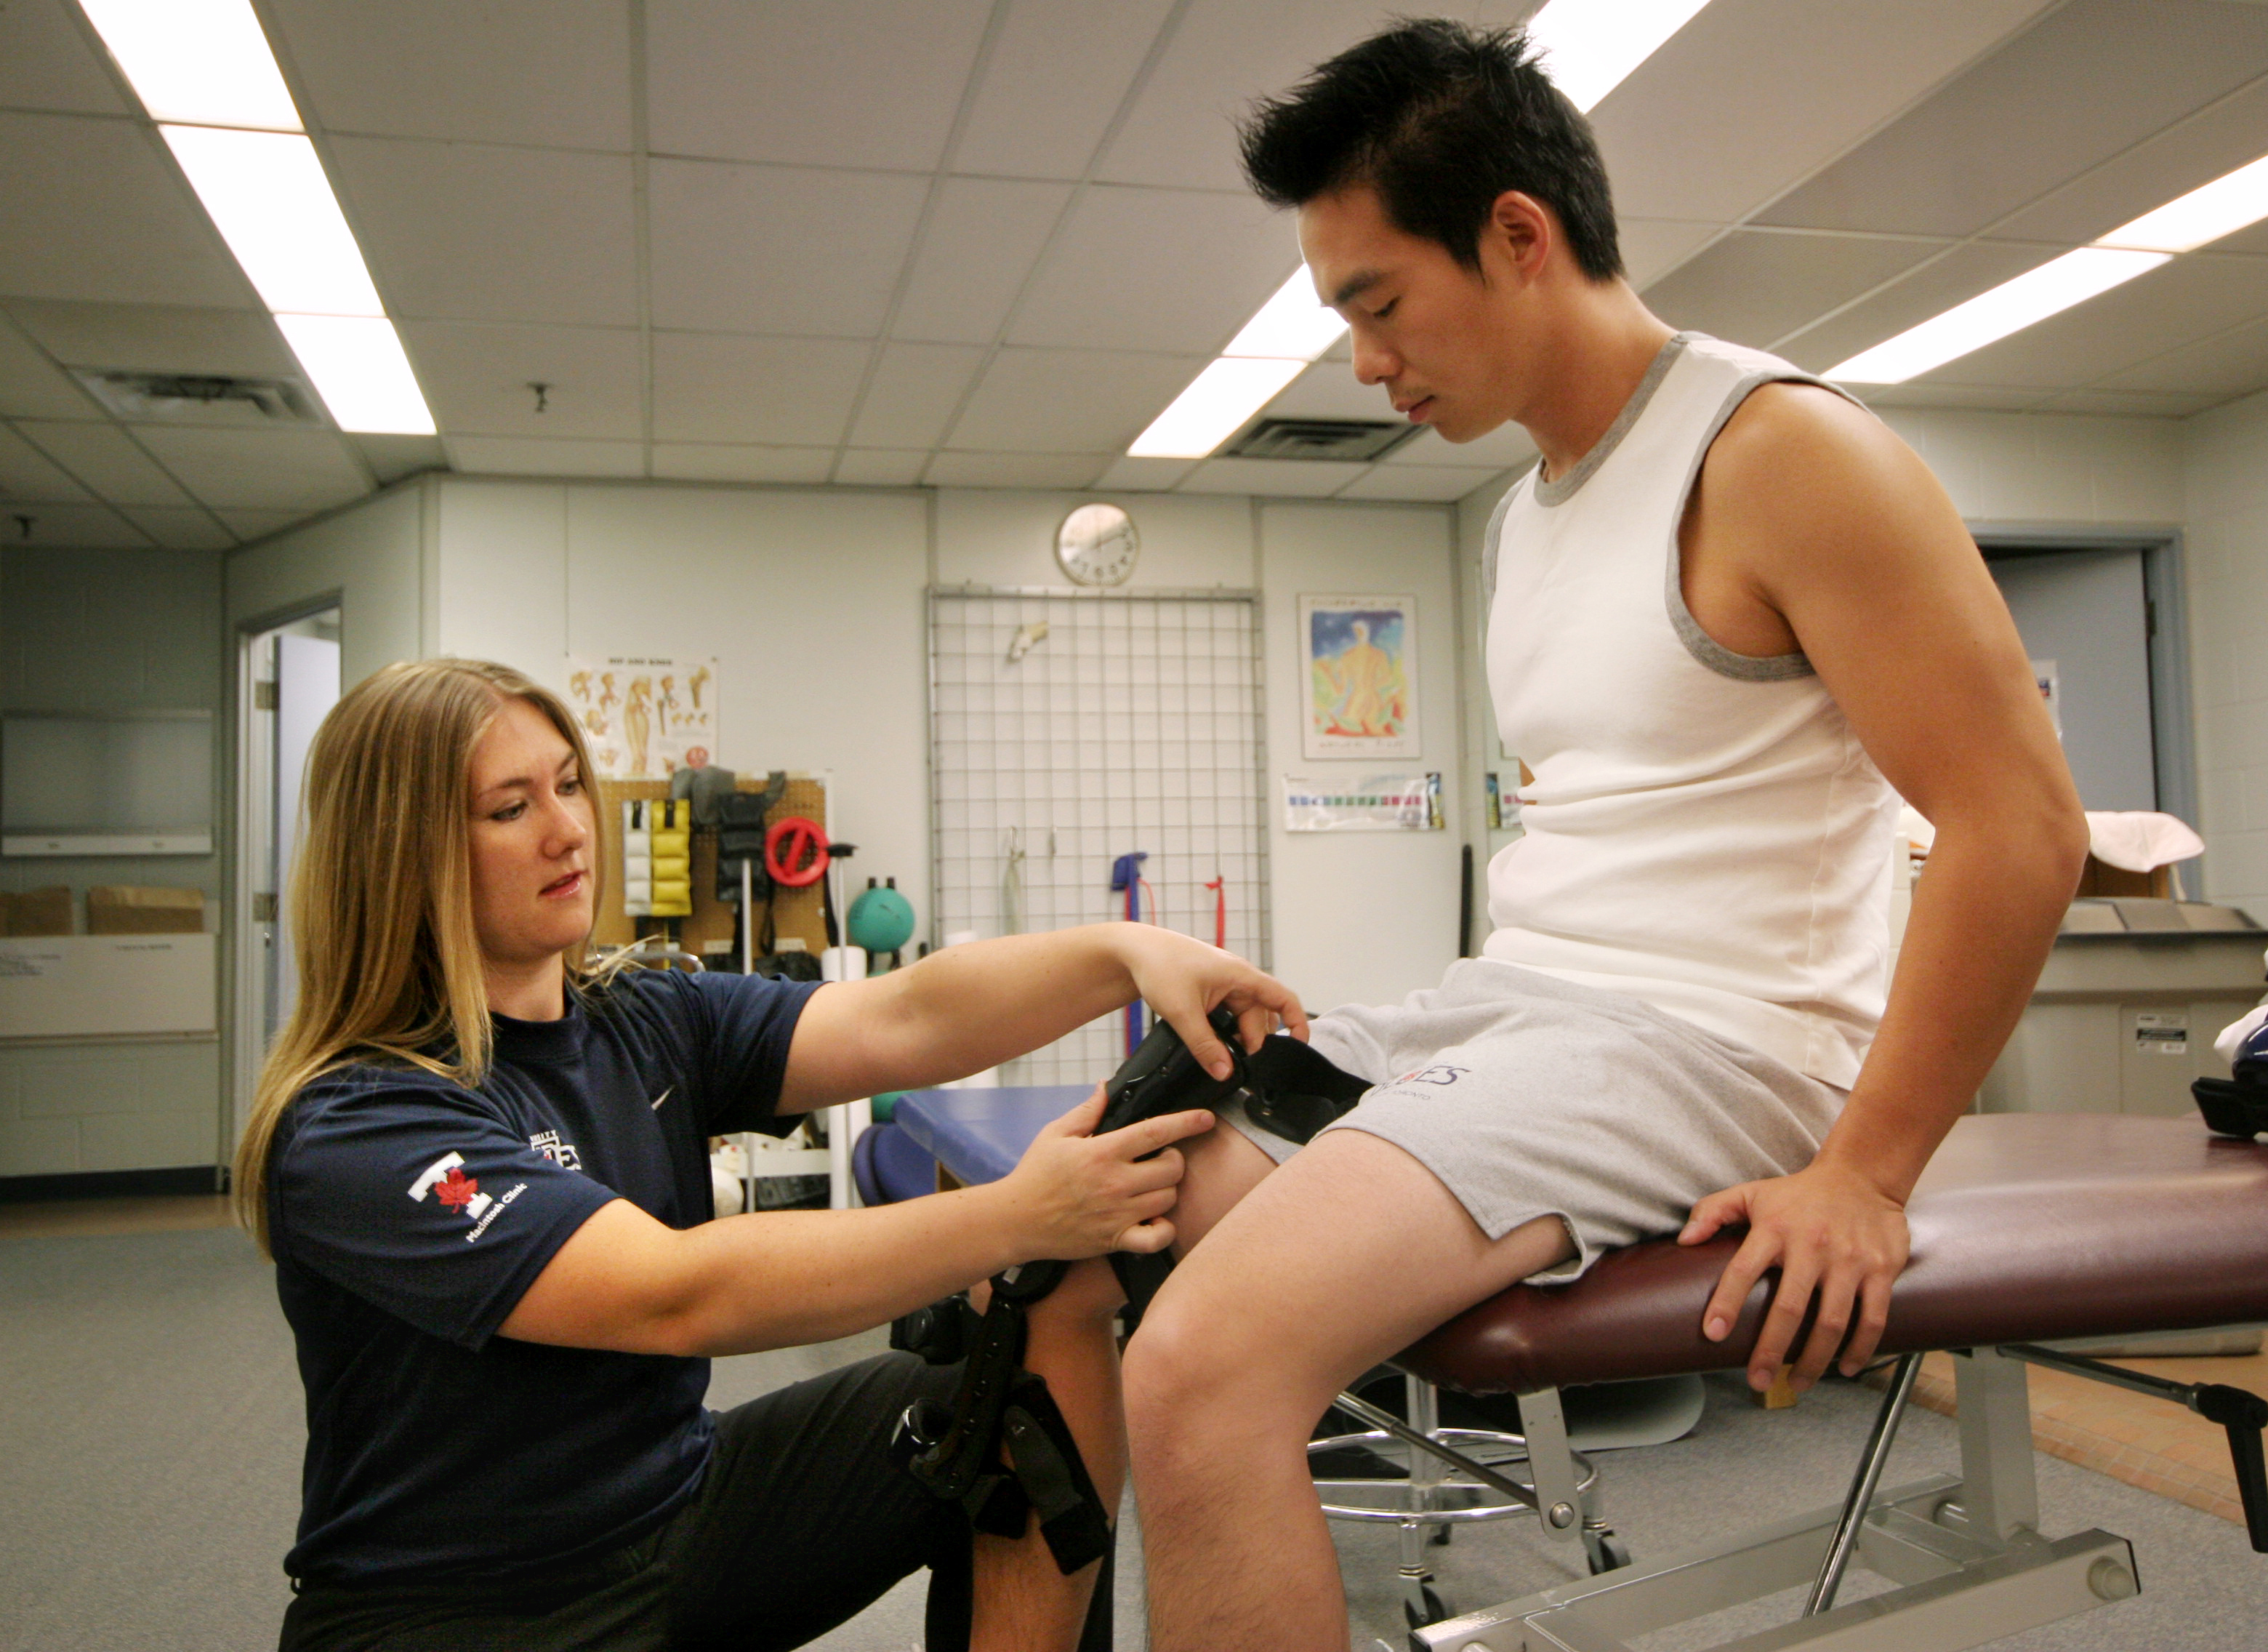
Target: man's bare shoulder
[{"x": 1806, "y": 481}]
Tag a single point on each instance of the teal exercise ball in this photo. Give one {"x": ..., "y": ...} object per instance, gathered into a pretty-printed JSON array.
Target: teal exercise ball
[{"x": 881, "y": 920}]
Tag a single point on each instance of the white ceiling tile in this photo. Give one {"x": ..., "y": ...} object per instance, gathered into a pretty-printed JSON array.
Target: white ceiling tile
[
  {"x": 1274, "y": 478},
  {"x": 1181, "y": 130},
  {"x": 913, "y": 394},
  {"x": 2091, "y": 78},
  {"x": 1652, "y": 247},
  {"x": 186, "y": 529},
  {"x": 2172, "y": 305},
  {"x": 712, "y": 461},
  {"x": 82, "y": 524},
  {"x": 94, "y": 209},
  {"x": 1951, "y": 395},
  {"x": 32, "y": 387},
  {"x": 1123, "y": 273},
  {"x": 982, "y": 237},
  {"x": 2151, "y": 403},
  {"x": 1755, "y": 287},
  {"x": 880, "y": 467},
  {"x": 48, "y": 61},
  {"x": 272, "y": 469},
  {"x": 850, "y": 83},
  {"x": 1069, "y": 401},
  {"x": 1414, "y": 482},
  {"x": 2194, "y": 151},
  {"x": 2226, "y": 363},
  {"x": 1013, "y": 470},
  {"x": 1505, "y": 446},
  {"x": 110, "y": 463},
  {"x": 543, "y": 456},
  {"x": 1958, "y": 276},
  {"x": 477, "y": 376},
  {"x": 1752, "y": 95},
  {"x": 778, "y": 249},
  {"x": 553, "y": 72},
  {"x": 482, "y": 233},
  {"x": 392, "y": 458},
  {"x": 1056, "y": 77},
  {"x": 250, "y": 525},
  {"x": 155, "y": 337},
  {"x": 27, "y": 473},
  {"x": 778, "y": 392},
  {"x": 1329, "y": 390},
  {"x": 1129, "y": 474}
]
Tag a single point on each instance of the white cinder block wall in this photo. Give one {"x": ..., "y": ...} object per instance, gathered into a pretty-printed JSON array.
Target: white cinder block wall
[{"x": 2225, "y": 455}]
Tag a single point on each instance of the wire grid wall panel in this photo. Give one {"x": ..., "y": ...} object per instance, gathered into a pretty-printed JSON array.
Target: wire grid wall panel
[{"x": 1134, "y": 723}]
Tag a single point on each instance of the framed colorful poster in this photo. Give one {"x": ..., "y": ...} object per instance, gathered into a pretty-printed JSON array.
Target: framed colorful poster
[{"x": 1361, "y": 655}]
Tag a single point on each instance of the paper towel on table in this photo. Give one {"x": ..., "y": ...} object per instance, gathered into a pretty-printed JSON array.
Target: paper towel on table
[{"x": 2139, "y": 840}]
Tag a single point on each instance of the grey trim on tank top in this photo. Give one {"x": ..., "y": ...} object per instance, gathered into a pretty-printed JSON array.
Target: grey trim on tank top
[
  {"x": 1704, "y": 648},
  {"x": 1550, "y": 490},
  {"x": 1549, "y": 493}
]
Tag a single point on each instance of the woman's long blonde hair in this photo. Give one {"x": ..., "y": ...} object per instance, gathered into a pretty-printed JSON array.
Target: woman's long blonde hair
[{"x": 381, "y": 907}]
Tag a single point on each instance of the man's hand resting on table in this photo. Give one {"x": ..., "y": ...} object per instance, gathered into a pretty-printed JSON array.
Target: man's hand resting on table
[
  {"x": 1827, "y": 1230},
  {"x": 1075, "y": 1194}
]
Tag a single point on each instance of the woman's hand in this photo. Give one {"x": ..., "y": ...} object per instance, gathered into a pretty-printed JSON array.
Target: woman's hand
[
  {"x": 1185, "y": 979},
  {"x": 1075, "y": 1194}
]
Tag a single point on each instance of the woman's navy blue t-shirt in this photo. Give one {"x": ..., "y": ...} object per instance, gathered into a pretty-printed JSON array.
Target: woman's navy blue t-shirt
[{"x": 408, "y": 1216}]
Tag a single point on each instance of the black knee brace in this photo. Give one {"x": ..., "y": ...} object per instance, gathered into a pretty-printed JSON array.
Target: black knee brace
[{"x": 1288, "y": 1090}]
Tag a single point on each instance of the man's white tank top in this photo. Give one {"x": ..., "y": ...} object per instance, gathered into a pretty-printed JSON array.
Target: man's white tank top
[{"x": 1704, "y": 832}]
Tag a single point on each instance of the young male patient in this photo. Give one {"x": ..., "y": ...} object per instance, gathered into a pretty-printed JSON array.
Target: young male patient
[{"x": 1733, "y": 618}]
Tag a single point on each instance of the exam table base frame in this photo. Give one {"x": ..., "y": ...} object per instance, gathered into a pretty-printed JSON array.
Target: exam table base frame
[{"x": 1964, "y": 1552}]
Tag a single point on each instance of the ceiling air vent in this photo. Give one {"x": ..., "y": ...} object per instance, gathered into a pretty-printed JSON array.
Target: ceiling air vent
[
  {"x": 200, "y": 398},
  {"x": 1356, "y": 439}
]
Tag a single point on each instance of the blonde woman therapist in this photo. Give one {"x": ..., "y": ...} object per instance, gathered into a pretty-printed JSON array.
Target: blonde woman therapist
[{"x": 478, "y": 1158}]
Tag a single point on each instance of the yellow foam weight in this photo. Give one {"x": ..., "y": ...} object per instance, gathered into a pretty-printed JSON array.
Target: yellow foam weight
[
  {"x": 673, "y": 897},
  {"x": 671, "y": 868}
]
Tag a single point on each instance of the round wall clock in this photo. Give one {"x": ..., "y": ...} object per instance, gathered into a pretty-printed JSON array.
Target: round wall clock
[{"x": 1097, "y": 545}]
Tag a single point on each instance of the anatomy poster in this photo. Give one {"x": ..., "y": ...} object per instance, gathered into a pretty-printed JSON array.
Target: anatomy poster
[
  {"x": 645, "y": 717},
  {"x": 1362, "y": 690}
]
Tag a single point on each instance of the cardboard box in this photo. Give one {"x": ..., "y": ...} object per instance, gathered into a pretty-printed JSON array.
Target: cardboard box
[
  {"x": 2101, "y": 879},
  {"x": 37, "y": 912},
  {"x": 123, "y": 909}
]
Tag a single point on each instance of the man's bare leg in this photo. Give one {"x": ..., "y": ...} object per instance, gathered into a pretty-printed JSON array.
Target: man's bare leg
[
  {"x": 1343, "y": 1257},
  {"x": 1020, "y": 1602}
]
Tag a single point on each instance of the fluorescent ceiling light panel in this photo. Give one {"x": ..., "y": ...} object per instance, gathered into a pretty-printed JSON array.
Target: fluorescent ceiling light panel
[
  {"x": 360, "y": 372},
  {"x": 267, "y": 193},
  {"x": 1590, "y": 47},
  {"x": 2205, "y": 214},
  {"x": 1291, "y": 326},
  {"x": 1219, "y": 400},
  {"x": 202, "y": 61},
  {"x": 2008, "y": 309}
]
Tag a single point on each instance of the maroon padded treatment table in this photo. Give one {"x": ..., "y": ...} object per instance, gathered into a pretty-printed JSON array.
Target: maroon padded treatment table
[{"x": 2026, "y": 1227}]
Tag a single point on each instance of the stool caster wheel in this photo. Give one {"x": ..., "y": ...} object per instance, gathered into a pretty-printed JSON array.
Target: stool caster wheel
[
  {"x": 1436, "y": 1608},
  {"x": 1607, "y": 1551}
]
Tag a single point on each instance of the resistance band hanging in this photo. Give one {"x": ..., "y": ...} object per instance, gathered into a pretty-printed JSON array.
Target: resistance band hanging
[{"x": 1126, "y": 874}]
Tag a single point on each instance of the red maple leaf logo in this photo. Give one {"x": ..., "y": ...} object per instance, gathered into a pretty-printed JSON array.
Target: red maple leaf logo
[{"x": 456, "y": 1189}]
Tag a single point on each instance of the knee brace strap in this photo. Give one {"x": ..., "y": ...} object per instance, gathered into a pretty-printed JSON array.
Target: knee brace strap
[{"x": 956, "y": 1454}]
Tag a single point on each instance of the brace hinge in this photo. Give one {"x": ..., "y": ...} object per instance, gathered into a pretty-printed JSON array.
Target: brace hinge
[{"x": 263, "y": 696}]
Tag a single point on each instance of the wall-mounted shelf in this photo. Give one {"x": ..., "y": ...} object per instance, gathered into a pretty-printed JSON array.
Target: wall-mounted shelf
[{"x": 105, "y": 783}]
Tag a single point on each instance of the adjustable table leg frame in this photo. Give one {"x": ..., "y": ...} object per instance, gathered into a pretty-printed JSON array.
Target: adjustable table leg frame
[{"x": 1964, "y": 1553}]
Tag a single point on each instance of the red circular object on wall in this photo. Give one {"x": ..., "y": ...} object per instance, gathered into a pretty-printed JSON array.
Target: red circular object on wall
[{"x": 795, "y": 852}]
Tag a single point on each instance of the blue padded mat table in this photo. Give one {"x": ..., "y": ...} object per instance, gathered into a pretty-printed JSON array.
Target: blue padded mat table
[{"x": 978, "y": 1135}]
